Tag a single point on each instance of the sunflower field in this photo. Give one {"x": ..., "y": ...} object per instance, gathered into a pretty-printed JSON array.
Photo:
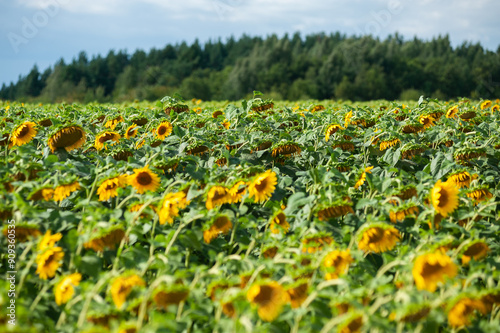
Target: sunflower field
[{"x": 254, "y": 216}]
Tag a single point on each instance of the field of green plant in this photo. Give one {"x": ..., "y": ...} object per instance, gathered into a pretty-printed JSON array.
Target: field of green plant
[{"x": 253, "y": 216}]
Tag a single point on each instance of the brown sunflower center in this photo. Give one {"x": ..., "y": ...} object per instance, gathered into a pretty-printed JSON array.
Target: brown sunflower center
[
  {"x": 443, "y": 199},
  {"x": 475, "y": 249},
  {"x": 67, "y": 137},
  {"x": 106, "y": 137},
  {"x": 265, "y": 295},
  {"x": 144, "y": 178},
  {"x": 376, "y": 236},
  {"x": 431, "y": 269},
  {"x": 220, "y": 223},
  {"x": 261, "y": 186},
  {"x": 218, "y": 195},
  {"x": 24, "y": 131},
  {"x": 111, "y": 186},
  {"x": 162, "y": 130},
  {"x": 131, "y": 131}
]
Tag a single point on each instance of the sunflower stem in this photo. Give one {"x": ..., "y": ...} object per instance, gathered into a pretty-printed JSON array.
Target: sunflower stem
[{"x": 39, "y": 297}]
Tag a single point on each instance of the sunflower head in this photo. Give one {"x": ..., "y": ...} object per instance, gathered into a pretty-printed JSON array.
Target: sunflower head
[
  {"x": 102, "y": 138},
  {"x": 131, "y": 131},
  {"x": 144, "y": 180},
  {"x": 269, "y": 298},
  {"x": 107, "y": 238},
  {"x": 68, "y": 137},
  {"x": 463, "y": 309},
  {"x": 378, "y": 237},
  {"x": 444, "y": 197},
  {"x": 476, "y": 250},
  {"x": 433, "y": 268},
  {"x": 64, "y": 290},
  {"x": 278, "y": 223},
  {"x": 163, "y": 130},
  {"x": 23, "y": 133},
  {"x": 336, "y": 263},
  {"x": 220, "y": 225},
  {"x": 262, "y": 186},
  {"x": 170, "y": 295}
]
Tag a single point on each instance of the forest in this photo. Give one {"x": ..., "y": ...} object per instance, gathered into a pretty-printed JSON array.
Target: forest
[{"x": 317, "y": 66}]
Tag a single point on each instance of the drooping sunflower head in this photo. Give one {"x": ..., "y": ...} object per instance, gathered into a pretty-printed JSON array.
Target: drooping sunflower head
[
  {"x": 131, "y": 131},
  {"x": 163, "y": 130},
  {"x": 269, "y": 297},
  {"x": 107, "y": 238},
  {"x": 468, "y": 153},
  {"x": 104, "y": 137},
  {"x": 362, "y": 177},
  {"x": 476, "y": 250},
  {"x": 24, "y": 231},
  {"x": 316, "y": 242},
  {"x": 413, "y": 313},
  {"x": 262, "y": 186},
  {"x": 486, "y": 104},
  {"x": 41, "y": 193},
  {"x": 220, "y": 225},
  {"x": 237, "y": 191},
  {"x": 170, "y": 206},
  {"x": 48, "y": 262},
  {"x": 353, "y": 324},
  {"x": 378, "y": 237},
  {"x": 444, "y": 197},
  {"x": 298, "y": 292},
  {"x": 65, "y": 188},
  {"x": 330, "y": 130},
  {"x": 217, "y": 196},
  {"x": 400, "y": 213},
  {"x": 479, "y": 194},
  {"x": 170, "y": 295},
  {"x": 336, "y": 263},
  {"x": 433, "y": 268},
  {"x": 113, "y": 121},
  {"x": 144, "y": 180},
  {"x": 463, "y": 308},
  {"x": 389, "y": 142},
  {"x": 68, "y": 137},
  {"x": 122, "y": 286},
  {"x": 338, "y": 208},
  {"x": 286, "y": 149},
  {"x": 410, "y": 150},
  {"x": 64, "y": 290},
  {"x": 23, "y": 133},
  {"x": 278, "y": 223},
  {"x": 461, "y": 178}
]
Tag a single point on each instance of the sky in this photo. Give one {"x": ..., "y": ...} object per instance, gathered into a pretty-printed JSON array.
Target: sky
[{"x": 43, "y": 31}]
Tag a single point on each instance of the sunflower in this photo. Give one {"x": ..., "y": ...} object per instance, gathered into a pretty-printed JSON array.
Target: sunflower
[
  {"x": 111, "y": 124},
  {"x": 345, "y": 145},
  {"x": 466, "y": 153},
  {"x": 44, "y": 193},
  {"x": 131, "y": 131},
  {"x": 490, "y": 298},
  {"x": 106, "y": 239},
  {"x": 122, "y": 286},
  {"x": 362, "y": 178},
  {"x": 24, "y": 133},
  {"x": 220, "y": 225},
  {"x": 331, "y": 129},
  {"x": 486, "y": 104},
  {"x": 69, "y": 137},
  {"x": 263, "y": 186},
  {"x": 144, "y": 180},
  {"x": 495, "y": 108},
  {"x": 477, "y": 250},
  {"x": 109, "y": 187},
  {"x": 378, "y": 238},
  {"x": 347, "y": 119},
  {"x": 337, "y": 263},
  {"x": 228, "y": 309},
  {"x": 170, "y": 206},
  {"x": 63, "y": 191},
  {"x": 65, "y": 289},
  {"x": 172, "y": 295},
  {"x": 269, "y": 252},
  {"x": 415, "y": 313},
  {"x": 400, "y": 213},
  {"x": 444, "y": 197},
  {"x": 314, "y": 243},
  {"x": 279, "y": 223},
  {"x": 286, "y": 150},
  {"x": 461, "y": 178},
  {"x": 102, "y": 138},
  {"x": 23, "y": 232},
  {"x": 479, "y": 194},
  {"x": 163, "y": 130},
  {"x": 48, "y": 262},
  {"x": 352, "y": 325},
  {"x": 389, "y": 143},
  {"x": 48, "y": 240},
  {"x": 217, "y": 287},
  {"x": 452, "y": 112},
  {"x": 297, "y": 293},
  {"x": 427, "y": 120},
  {"x": 217, "y": 196},
  {"x": 410, "y": 150},
  {"x": 269, "y": 297},
  {"x": 337, "y": 209},
  {"x": 462, "y": 311},
  {"x": 431, "y": 269},
  {"x": 237, "y": 191}
]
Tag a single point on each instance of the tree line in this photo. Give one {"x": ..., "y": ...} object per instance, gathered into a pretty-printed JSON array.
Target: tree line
[{"x": 317, "y": 66}]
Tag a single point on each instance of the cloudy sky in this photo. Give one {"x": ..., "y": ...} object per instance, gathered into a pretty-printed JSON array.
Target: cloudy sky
[{"x": 43, "y": 31}]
